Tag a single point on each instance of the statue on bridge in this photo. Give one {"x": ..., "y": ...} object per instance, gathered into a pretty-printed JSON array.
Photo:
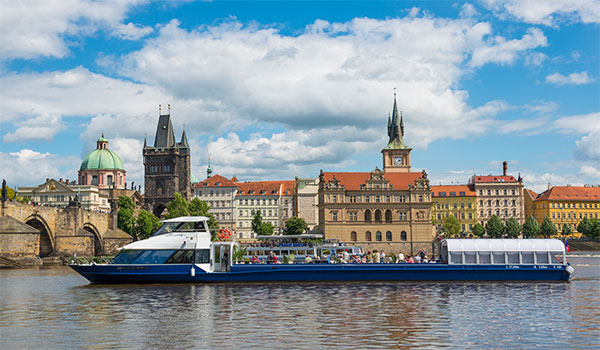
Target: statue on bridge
[{"x": 4, "y": 191}]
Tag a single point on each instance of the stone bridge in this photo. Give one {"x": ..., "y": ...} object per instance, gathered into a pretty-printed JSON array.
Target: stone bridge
[{"x": 62, "y": 231}]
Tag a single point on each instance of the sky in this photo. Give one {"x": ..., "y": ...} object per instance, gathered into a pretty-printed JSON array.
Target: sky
[{"x": 271, "y": 90}]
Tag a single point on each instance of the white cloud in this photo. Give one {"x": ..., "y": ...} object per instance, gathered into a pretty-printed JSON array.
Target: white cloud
[
  {"x": 590, "y": 171},
  {"x": 588, "y": 148},
  {"x": 28, "y": 168},
  {"x": 468, "y": 10},
  {"x": 573, "y": 78},
  {"x": 547, "y": 12},
  {"x": 539, "y": 182},
  {"x": 579, "y": 124},
  {"x": 131, "y": 31},
  {"x": 33, "y": 28},
  {"x": 505, "y": 52},
  {"x": 43, "y": 127}
]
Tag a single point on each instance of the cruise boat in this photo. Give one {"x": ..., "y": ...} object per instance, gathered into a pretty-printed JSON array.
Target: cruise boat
[{"x": 181, "y": 251}]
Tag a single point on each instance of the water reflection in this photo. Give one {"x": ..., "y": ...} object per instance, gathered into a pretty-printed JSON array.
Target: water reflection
[{"x": 65, "y": 312}]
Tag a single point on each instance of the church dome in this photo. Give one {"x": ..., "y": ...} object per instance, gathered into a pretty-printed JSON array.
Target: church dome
[
  {"x": 102, "y": 158},
  {"x": 193, "y": 179}
]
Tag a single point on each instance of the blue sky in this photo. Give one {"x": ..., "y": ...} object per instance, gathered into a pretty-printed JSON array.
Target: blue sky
[{"x": 278, "y": 89}]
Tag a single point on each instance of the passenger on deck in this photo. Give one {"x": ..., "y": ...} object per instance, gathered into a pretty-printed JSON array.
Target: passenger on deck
[
  {"x": 346, "y": 256},
  {"x": 376, "y": 256},
  {"x": 383, "y": 256},
  {"x": 400, "y": 257},
  {"x": 255, "y": 260},
  {"x": 369, "y": 257},
  {"x": 308, "y": 260},
  {"x": 417, "y": 259},
  {"x": 410, "y": 260}
]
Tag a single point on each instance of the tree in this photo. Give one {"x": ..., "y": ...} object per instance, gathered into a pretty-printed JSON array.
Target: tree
[
  {"x": 513, "y": 228},
  {"x": 450, "y": 225},
  {"x": 200, "y": 208},
  {"x": 266, "y": 228},
  {"x": 177, "y": 207},
  {"x": 548, "y": 229},
  {"x": 595, "y": 230},
  {"x": 531, "y": 228},
  {"x": 125, "y": 215},
  {"x": 494, "y": 227},
  {"x": 585, "y": 227},
  {"x": 146, "y": 224},
  {"x": 295, "y": 226},
  {"x": 566, "y": 230},
  {"x": 256, "y": 221},
  {"x": 478, "y": 230}
]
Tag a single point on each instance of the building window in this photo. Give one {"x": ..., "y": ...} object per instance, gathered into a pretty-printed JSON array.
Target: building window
[
  {"x": 462, "y": 194},
  {"x": 378, "y": 236},
  {"x": 95, "y": 180},
  {"x": 334, "y": 216},
  {"x": 368, "y": 236},
  {"x": 353, "y": 236},
  {"x": 420, "y": 198},
  {"x": 353, "y": 216},
  {"x": 388, "y": 236},
  {"x": 452, "y": 194},
  {"x": 403, "y": 236},
  {"x": 367, "y": 215},
  {"x": 388, "y": 216},
  {"x": 388, "y": 199},
  {"x": 462, "y": 216},
  {"x": 377, "y": 215},
  {"x": 470, "y": 216},
  {"x": 334, "y": 199}
]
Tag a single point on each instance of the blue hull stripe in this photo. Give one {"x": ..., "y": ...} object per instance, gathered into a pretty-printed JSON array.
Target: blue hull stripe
[{"x": 321, "y": 272}]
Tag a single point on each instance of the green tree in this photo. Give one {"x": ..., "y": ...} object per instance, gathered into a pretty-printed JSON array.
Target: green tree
[
  {"x": 146, "y": 224},
  {"x": 200, "y": 208},
  {"x": 494, "y": 227},
  {"x": 595, "y": 230},
  {"x": 566, "y": 230},
  {"x": 450, "y": 225},
  {"x": 177, "y": 207},
  {"x": 585, "y": 227},
  {"x": 478, "y": 230},
  {"x": 266, "y": 228},
  {"x": 513, "y": 228},
  {"x": 125, "y": 215},
  {"x": 548, "y": 229},
  {"x": 295, "y": 226},
  {"x": 10, "y": 193},
  {"x": 531, "y": 228},
  {"x": 256, "y": 221}
]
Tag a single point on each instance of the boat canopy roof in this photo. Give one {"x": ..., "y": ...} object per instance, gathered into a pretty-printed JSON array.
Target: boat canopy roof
[
  {"x": 504, "y": 245},
  {"x": 289, "y": 237},
  {"x": 187, "y": 219}
]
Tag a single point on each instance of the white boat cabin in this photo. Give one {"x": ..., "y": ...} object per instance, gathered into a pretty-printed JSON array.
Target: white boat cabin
[
  {"x": 183, "y": 240},
  {"x": 503, "y": 251}
]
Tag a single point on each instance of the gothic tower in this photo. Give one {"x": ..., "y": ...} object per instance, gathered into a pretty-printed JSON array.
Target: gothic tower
[
  {"x": 166, "y": 167},
  {"x": 396, "y": 155}
]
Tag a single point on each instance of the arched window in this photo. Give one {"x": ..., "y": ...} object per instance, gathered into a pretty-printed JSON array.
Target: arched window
[
  {"x": 368, "y": 236},
  {"x": 403, "y": 236},
  {"x": 353, "y": 236},
  {"x": 388, "y": 236},
  {"x": 377, "y": 215},
  {"x": 367, "y": 215},
  {"x": 109, "y": 180},
  {"x": 378, "y": 236},
  {"x": 388, "y": 216}
]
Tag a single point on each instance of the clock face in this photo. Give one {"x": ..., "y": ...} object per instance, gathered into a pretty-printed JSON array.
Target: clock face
[{"x": 398, "y": 160}]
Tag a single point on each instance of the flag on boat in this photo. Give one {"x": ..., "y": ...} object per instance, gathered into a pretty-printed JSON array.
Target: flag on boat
[{"x": 567, "y": 245}]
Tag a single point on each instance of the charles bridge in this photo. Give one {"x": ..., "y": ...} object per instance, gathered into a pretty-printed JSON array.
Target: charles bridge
[{"x": 30, "y": 232}]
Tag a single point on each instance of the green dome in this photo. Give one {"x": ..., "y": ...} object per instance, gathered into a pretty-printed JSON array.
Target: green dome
[
  {"x": 193, "y": 179},
  {"x": 101, "y": 159}
]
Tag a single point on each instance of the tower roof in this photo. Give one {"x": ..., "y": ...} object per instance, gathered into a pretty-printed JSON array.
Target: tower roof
[
  {"x": 165, "y": 137},
  {"x": 102, "y": 158},
  {"x": 396, "y": 129}
]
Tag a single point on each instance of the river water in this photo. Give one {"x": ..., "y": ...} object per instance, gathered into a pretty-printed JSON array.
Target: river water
[{"x": 55, "y": 308}]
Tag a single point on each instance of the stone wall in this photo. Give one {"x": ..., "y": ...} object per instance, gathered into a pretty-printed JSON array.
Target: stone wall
[{"x": 20, "y": 246}]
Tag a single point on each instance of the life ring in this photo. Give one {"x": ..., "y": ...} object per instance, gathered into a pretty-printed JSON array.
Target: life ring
[{"x": 224, "y": 234}]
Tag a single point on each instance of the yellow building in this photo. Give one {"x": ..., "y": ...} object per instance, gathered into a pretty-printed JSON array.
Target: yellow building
[
  {"x": 457, "y": 200},
  {"x": 564, "y": 205}
]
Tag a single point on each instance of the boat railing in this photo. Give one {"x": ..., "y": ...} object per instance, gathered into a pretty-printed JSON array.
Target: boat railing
[{"x": 82, "y": 260}]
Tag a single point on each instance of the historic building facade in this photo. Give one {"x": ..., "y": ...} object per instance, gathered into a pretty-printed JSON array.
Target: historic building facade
[
  {"x": 167, "y": 167},
  {"x": 102, "y": 167},
  {"x": 307, "y": 202},
  {"x": 219, "y": 193},
  {"x": 454, "y": 200},
  {"x": 387, "y": 209},
  {"x": 59, "y": 193},
  {"x": 564, "y": 205},
  {"x": 500, "y": 195}
]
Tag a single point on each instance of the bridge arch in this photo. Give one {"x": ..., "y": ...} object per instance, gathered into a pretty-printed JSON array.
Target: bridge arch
[
  {"x": 98, "y": 241},
  {"x": 47, "y": 243}
]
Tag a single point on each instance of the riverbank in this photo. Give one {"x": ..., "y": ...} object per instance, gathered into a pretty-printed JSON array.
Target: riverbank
[{"x": 584, "y": 246}]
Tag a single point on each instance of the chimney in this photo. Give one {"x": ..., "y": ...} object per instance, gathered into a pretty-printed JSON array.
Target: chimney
[
  {"x": 60, "y": 180},
  {"x": 67, "y": 181},
  {"x": 504, "y": 168}
]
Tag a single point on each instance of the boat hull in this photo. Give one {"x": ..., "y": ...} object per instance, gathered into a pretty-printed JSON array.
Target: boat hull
[{"x": 181, "y": 273}]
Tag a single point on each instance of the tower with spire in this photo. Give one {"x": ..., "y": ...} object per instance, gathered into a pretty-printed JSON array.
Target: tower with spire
[
  {"x": 396, "y": 155},
  {"x": 167, "y": 166}
]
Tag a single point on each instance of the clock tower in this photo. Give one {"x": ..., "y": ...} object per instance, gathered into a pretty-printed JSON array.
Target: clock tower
[{"x": 396, "y": 155}]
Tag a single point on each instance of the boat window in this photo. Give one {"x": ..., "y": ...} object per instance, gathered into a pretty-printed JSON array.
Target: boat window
[
  {"x": 513, "y": 258},
  {"x": 456, "y": 258},
  {"x": 541, "y": 257},
  {"x": 126, "y": 256},
  {"x": 485, "y": 258},
  {"x": 169, "y": 227},
  {"x": 470, "y": 258},
  {"x": 153, "y": 257},
  {"x": 202, "y": 256},
  {"x": 182, "y": 257},
  {"x": 556, "y": 257},
  {"x": 499, "y": 258},
  {"x": 527, "y": 257}
]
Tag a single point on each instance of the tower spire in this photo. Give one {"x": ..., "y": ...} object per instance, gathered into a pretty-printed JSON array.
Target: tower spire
[
  {"x": 401, "y": 124},
  {"x": 208, "y": 169}
]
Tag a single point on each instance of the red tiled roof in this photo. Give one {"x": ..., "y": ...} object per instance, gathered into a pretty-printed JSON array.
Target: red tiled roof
[
  {"x": 352, "y": 181},
  {"x": 571, "y": 193},
  {"x": 452, "y": 188},
  {"x": 492, "y": 178},
  {"x": 266, "y": 188},
  {"x": 216, "y": 181},
  {"x": 532, "y": 194}
]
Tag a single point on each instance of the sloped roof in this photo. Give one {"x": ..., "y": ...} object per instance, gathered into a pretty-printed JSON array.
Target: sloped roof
[
  {"x": 352, "y": 180},
  {"x": 216, "y": 181},
  {"x": 531, "y": 193},
  {"x": 266, "y": 188},
  {"x": 452, "y": 188},
  {"x": 9, "y": 225},
  {"x": 494, "y": 178},
  {"x": 572, "y": 193}
]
